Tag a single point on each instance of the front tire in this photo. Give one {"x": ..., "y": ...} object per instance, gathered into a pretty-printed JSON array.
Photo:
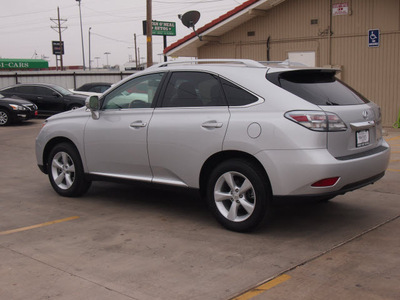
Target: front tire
[
  {"x": 4, "y": 117},
  {"x": 65, "y": 171},
  {"x": 239, "y": 195}
]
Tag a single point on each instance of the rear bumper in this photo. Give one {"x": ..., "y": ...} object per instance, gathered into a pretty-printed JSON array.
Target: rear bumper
[
  {"x": 297, "y": 170},
  {"x": 342, "y": 191}
]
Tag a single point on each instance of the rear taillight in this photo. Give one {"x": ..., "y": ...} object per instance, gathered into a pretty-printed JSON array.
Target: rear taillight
[
  {"x": 327, "y": 182},
  {"x": 317, "y": 120}
]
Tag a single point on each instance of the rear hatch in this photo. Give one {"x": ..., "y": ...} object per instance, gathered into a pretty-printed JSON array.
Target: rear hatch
[{"x": 360, "y": 132}]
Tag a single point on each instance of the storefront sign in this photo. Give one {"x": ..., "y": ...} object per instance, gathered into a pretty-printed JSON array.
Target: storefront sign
[
  {"x": 8, "y": 63},
  {"x": 161, "y": 28}
]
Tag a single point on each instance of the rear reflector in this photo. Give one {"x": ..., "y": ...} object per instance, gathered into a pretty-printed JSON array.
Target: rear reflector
[{"x": 326, "y": 182}]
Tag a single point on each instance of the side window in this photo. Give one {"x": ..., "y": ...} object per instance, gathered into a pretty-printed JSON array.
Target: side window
[
  {"x": 99, "y": 89},
  {"x": 44, "y": 91},
  {"x": 193, "y": 89},
  {"x": 25, "y": 89},
  {"x": 136, "y": 93},
  {"x": 236, "y": 96},
  {"x": 11, "y": 90}
]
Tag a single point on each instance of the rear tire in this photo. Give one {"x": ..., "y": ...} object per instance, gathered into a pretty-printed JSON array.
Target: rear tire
[
  {"x": 65, "y": 171},
  {"x": 239, "y": 195}
]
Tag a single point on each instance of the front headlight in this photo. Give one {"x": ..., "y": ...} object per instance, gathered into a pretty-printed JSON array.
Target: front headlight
[{"x": 17, "y": 107}]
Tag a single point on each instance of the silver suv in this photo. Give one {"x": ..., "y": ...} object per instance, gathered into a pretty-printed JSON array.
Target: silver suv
[{"x": 240, "y": 131}]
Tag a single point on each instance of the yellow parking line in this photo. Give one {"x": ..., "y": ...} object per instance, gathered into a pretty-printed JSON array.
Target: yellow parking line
[
  {"x": 37, "y": 225},
  {"x": 393, "y": 170},
  {"x": 393, "y": 138},
  {"x": 262, "y": 288}
]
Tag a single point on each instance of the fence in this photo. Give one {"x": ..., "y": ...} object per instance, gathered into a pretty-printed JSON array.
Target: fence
[{"x": 67, "y": 79}]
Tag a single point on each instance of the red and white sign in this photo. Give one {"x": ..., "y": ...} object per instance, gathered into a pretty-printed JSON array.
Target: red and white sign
[{"x": 340, "y": 9}]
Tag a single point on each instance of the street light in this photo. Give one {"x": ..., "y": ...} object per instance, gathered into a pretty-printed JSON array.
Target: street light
[
  {"x": 97, "y": 59},
  {"x": 83, "y": 50},
  {"x": 107, "y": 53}
]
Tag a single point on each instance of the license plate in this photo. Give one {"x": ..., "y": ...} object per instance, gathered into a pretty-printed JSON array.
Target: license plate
[{"x": 362, "y": 138}]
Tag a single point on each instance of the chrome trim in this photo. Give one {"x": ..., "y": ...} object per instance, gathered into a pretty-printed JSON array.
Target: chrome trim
[{"x": 362, "y": 125}]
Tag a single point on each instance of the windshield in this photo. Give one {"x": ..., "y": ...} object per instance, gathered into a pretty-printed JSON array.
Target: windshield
[{"x": 319, "y": 87}]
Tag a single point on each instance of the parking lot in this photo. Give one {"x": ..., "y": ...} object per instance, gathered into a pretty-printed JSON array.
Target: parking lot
[{"x": 139, "y": 242}]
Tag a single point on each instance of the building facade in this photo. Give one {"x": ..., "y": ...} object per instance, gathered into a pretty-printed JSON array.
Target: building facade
[{"x": 360, "y": 37}]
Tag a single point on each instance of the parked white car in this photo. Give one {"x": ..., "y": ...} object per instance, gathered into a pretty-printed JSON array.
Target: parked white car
[{"x": 240, "y": 132}]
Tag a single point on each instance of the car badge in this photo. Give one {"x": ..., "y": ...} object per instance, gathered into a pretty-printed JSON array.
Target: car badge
[{"x": 365, "y": 114}]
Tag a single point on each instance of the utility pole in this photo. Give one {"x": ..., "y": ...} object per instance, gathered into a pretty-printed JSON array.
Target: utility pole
[
  {"x": 134, "y": 38},
  {"x": 90, "y": 62},
  {"x": 59, "y": 29},
  {"x": 83, "y": 50},
  {"x": 149, "y": 29}
]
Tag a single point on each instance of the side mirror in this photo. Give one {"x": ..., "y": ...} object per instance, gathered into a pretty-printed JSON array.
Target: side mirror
[{"x": 93, "y": 104}]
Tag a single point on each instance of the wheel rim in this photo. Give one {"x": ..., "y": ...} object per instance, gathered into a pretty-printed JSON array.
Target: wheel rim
[
  {"x": 63, "y": 170},
  {"x": 3, "y": 118},
  {"x": 234, "y": 196}
]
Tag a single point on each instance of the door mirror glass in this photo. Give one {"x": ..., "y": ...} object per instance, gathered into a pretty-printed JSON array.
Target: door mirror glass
[{"x": 92, "y": 103}]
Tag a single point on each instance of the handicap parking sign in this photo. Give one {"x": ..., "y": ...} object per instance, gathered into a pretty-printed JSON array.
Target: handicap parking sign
[{"x": 373, "y": 38}]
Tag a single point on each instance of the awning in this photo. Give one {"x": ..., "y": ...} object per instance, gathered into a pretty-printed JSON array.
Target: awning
[{"x": 211, "y": 32}]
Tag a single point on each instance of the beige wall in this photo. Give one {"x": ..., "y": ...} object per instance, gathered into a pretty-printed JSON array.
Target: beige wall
[{"x": 375, "y": 72}]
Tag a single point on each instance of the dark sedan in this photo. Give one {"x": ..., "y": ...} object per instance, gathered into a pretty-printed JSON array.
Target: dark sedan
[
  {"x": 13, "y": 110},
  {"x": 49, "y": 98},
  {"x": 95, "y": 87}
]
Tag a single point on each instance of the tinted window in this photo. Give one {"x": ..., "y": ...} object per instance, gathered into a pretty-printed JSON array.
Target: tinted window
[
  {"x": 44, "y": 91},
  {"x": 24, "y": 89},
  {"x": 136, "y": 93},
  {"x": 188, "y": 89},
  {"x": 236, "y": 96},
  {"x": 319, "y": 87},
  {"x": 99, "y": 88}
]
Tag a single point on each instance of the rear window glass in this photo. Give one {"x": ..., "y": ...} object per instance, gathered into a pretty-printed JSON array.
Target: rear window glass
[{"x": 319, "y": 87}]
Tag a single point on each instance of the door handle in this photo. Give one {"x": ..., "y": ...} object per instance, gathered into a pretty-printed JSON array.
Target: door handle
[
  {"x": 212, "y": 124},
  {"x": 138, "y": 124}
]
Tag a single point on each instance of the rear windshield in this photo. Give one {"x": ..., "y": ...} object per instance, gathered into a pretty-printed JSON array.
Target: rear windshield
[{"x": 319, "y": 87}]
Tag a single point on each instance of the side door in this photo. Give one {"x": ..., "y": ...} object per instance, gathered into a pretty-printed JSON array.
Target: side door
[
  {"x": 116, "y": 142},
  {"x": 187, "y": 128},
  {"x": 48, "y": 100}
]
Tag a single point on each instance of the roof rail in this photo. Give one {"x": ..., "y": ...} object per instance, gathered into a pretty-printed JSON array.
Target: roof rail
[{"x": 245, "y": 62}]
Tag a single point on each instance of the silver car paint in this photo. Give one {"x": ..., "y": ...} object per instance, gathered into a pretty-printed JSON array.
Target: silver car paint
[
  {"x": 181, "y": 140},
  {"x": 293, "y": 156},
  {"x": 116, "y": 144}
]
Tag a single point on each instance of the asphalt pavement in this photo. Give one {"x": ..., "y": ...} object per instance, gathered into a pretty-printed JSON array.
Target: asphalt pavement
[{"x": 138, "y": 242}]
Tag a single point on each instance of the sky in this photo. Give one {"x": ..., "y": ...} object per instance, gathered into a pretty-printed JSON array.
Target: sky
[{"x": 25, "y": 27}]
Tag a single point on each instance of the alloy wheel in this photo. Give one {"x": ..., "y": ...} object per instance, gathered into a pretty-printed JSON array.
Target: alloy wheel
[
  {"x": 63, "y": 170},
  {"x": 234, "y": 196}
]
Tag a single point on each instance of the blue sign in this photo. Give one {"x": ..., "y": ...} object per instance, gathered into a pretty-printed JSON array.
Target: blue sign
[{"x": 373, "y": 38}]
